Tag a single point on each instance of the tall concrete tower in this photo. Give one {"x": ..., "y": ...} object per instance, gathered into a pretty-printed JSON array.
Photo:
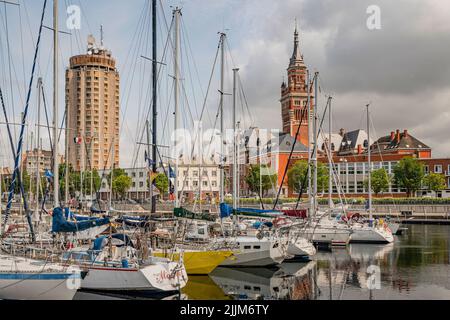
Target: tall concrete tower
[
  {"x": 92, "y": 101},
  {"x": 294, "y": 95}
]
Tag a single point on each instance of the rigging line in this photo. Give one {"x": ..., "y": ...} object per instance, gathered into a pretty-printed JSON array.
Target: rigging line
[
  {"x": 22, "y": 49},
  {"x": 8, "y": 48},
  {"x": 46, "y": 118},
  {"x": 149, "y": 107},
  {"x": 19, "y": 146},
  {"x": 186, "y": 52}
]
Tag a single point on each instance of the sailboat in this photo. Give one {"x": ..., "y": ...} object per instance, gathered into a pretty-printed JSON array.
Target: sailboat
[{"x": 372, "y": 232}]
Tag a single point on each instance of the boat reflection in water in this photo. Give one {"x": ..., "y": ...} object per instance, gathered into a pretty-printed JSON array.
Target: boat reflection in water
[{"x": 294, "y": 282}]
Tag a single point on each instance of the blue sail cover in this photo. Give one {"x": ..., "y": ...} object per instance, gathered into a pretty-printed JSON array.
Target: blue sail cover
[
  {"x": 61, "y": 225},
  {"x": 226, "y": 211}
]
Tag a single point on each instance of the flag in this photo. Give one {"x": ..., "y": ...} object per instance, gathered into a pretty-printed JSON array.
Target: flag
[
  {"x": 171, "y": 173},
  {"x": 78, "y": 140},
  {"x": 48, "y": 175},
  {"x": 148, "y": 160}
]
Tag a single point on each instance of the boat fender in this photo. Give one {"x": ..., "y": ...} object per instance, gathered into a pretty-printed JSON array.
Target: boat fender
[{"x": 125, "y": 264}]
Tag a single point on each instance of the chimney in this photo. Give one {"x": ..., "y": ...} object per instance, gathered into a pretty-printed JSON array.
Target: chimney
[
  {"x": 342, "y": 132},
  {"x": 398, "y": 136},
  {"x": 360, "y": 149},
  {"x": 405, "y": 134},
  {"x": 392, "y": 136}
]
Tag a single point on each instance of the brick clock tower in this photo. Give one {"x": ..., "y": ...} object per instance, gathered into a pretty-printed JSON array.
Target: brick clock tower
[{"x": 294, "y": 95}]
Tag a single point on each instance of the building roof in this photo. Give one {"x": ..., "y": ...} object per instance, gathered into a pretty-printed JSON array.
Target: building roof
[
  {"x": 352, "y": 139},
  {"x": 399, "y": 140},
  {"x": 336, "y": 140},
  {"x": 286, "y": 141}
]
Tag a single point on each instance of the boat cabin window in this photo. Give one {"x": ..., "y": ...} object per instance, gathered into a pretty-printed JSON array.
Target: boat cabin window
[
  {"x": 256, "y": 247},
  {"x": 247, "y": 247}
]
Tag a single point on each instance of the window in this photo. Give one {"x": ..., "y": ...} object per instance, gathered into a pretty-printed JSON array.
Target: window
[
  {"x": 257, "y": 247},
  {"x": 448, "y": 183},
  {"x": 359, "y": 168},
  {"x": 247, "y": 247},
  {"x": 141, "y": 174},
  {"x": 195, "y": 183},
  {"x": 205, "y": 183},
  {"x": 195, "y": 173},
  {"x": 141, "y": 184},
  {"x": 214, "y": 184},
  {"x": 214, "y": 173},
  {"x": 426, "y": 169},
  {"x": 438, "y": 168},
  {"x": 351, "y": 168}
]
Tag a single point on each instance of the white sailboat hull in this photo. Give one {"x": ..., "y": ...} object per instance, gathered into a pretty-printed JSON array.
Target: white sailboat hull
[
  {"x": 24, "y": 279},
  {"x": 367, "y": 234},
  {"x": 158, "y": 277},
  {"x": 253, "y": 252},
  {"x": 328, "y": 235},
  {"x": 300, "y": 247}
]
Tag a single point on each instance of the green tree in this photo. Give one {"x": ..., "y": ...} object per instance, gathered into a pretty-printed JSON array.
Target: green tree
[
  {"x": 296, "y": 176},
  {"x": 408, "y": 174},
  {"x": 434, "y": 182},
  {"x": 96, "y": 181},
  {"x": 379, "y": 181},
  {"x": 162, "y": 183},
  {"x": 121, "y": 185},
  {"x": 253, "y": 179}
]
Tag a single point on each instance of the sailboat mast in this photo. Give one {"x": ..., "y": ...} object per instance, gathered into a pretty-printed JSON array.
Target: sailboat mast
[
  {"x": 235, "y": 154},
  {"x": 330, "y": 156},
  {"x": 177, "y": 13},
  {"x": 314, "y": 158},
  {"x": 154, "y": 92},
  {"x": 55, "y": 106},
  {"x": 369, "y": 162},
  {"x": 38, "y": 149},
  {"x": 222, "y": 82}
]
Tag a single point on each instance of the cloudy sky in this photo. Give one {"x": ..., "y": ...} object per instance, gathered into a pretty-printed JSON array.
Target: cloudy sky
[{"x": 403, "y": 69}]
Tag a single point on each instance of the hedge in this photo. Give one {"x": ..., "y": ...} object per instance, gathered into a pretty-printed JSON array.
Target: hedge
[{"x": 354, "y": 201}]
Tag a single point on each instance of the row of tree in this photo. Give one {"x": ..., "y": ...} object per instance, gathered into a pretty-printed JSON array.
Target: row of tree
[{"x": 408, "y": 174}]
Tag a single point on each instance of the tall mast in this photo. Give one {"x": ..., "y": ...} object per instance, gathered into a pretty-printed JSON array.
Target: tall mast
[
  {"x": 38, "y": 139},
  {"x": 55, "y": 106},
  {"x": 316, "y": 99},
  {"x": 112, "y": 174},
  {"x": 222, "y": 82},
  {"x": 310, "y": 114},
  {"x": 176, "y": 13},
  {"x": 235, "y": 154},
  {"x": 330, "y": 156},
  {"x": 154, "y": 91},
  {"x": 369, "y": 170}
]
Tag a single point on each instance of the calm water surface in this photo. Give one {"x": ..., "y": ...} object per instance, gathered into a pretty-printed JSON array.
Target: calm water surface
[{"x": 416, "y": 266}]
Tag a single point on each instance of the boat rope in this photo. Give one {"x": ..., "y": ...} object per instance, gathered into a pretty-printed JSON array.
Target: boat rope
[{"x": 22, "y": 129}]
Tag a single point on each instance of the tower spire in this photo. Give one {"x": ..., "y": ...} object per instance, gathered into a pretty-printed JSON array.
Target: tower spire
[{"x": 296, "y": 55}]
